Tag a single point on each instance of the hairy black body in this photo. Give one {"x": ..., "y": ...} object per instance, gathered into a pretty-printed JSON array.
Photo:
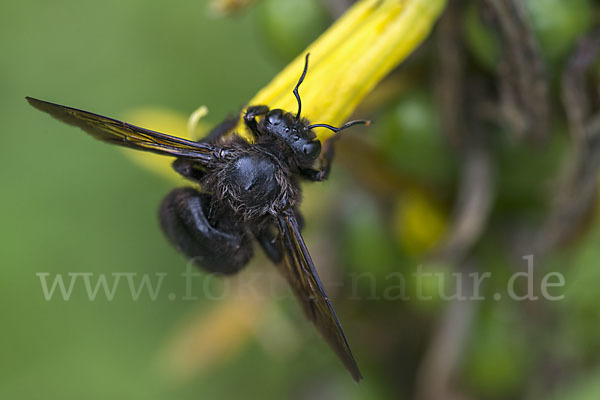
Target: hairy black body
[
  {"x": 248, "y": 192},
  {"x": 253, "y": 181}
]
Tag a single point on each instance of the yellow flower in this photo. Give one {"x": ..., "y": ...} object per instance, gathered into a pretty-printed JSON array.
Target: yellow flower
[
  {"x": 419, "y": 222},
  {"x": 350, "y": 58},
  {"x": 346, "y": 63}
]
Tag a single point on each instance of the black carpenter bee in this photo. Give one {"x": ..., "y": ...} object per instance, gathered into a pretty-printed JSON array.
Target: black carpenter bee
[{"x": 249, "y": 192}]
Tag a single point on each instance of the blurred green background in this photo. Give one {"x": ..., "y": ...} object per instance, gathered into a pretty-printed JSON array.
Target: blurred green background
[
  {"x": 73, "y": 205},
  {"x": 70, "y": 204}
]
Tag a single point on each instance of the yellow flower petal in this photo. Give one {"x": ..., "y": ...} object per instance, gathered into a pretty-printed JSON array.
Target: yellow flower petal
[
  {"x": 346, "y": 63},
  {"x": 212, "y": 338},
  {"x": 351, "y": 57},
  {"x": 161, "y": 120},
  {"x": 204, "y": 341}
]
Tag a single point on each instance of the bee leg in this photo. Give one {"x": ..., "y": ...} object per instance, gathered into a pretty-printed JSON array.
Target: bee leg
[
  {"x": 188, "y": 169},
  {"x": 326, "y": 158},
  {"x": 268, "y": 238},
  {"x": 191, "y": 169},
  {"x": 222, "y": 247},
  {"x": 250, "y": 117},
  {"x": 221, "y": 130}
]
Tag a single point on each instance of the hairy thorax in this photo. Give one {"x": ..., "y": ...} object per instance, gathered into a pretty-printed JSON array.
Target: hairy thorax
[{"x": 253, "y": 183}]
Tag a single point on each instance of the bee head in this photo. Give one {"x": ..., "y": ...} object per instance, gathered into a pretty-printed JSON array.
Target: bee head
[{"x": 295, "y": 132}]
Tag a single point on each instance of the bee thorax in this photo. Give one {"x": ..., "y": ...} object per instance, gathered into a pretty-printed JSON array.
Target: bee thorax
[{"x": 253, "y": 185}]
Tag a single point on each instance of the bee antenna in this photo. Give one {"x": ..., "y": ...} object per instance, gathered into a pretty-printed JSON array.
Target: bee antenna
[
  {"x": 346, "y": 125},
  {"x": 298, "y": 84}
]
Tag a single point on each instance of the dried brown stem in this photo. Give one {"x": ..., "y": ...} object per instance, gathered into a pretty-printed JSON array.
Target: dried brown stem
[
  {"x": 436, "y": 378},
  {"x": 475, "y": 192},
  {"x": 450, "y": 74},
  {"x": 472, "y": 206},
  {"x": 523, "y": 83},
  {"x": 440, "y": 365},
  {"x": 578, "y": 189}
]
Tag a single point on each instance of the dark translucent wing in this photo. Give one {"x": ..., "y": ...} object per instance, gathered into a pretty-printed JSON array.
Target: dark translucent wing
[
  {"x": 300, "y": 272},
  {"x": 124, "y": 134}
]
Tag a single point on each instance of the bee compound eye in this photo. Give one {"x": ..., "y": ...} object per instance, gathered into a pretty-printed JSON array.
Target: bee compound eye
[
  {"x": 274, "y": 117},
  {"x": 312, "y": 149}
]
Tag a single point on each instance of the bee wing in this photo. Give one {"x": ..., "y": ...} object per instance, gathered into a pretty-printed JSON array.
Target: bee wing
[
  {"x": 124, "y": 134},
  {"x": 299, "y": 270}
]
